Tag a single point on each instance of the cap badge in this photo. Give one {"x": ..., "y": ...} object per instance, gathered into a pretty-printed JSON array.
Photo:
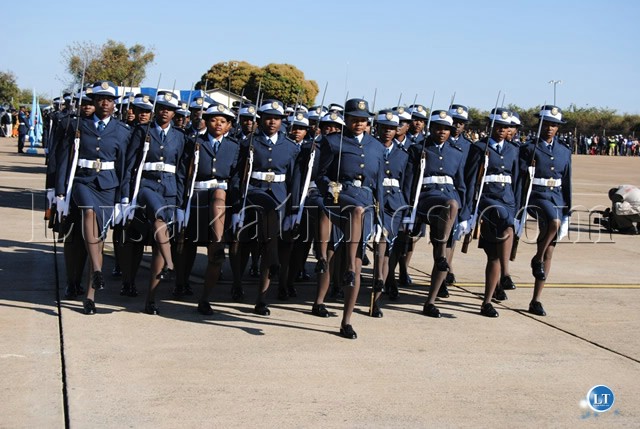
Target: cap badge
[
  {"x": 199, "y": 101},
  {"x": 362, "y": 105},
  {"x": 299, "y": 116},
  {"x": 442, "y": 114},
  {"x": 251, "y": 110},
  {"x": 221, "y": 107},
  {"x": 460, "y": 110},
  {"x": 420, "y": 109},
  {"x": 183, "y": 106},
  {"x": 275, "y": 105},
  {"x": 504, "y": 115},
  {"x": 145, "y": 98},
  {"x": 104, "y": 85},
  {"x": 554, "y": 111},
  {"x": 401, "y": 110},
  {"x": 333, "y": 116},
  {"x": 168, "y": 96},
  {"x": 389, "y": 116},
  {"x": 88, "y": 91}
]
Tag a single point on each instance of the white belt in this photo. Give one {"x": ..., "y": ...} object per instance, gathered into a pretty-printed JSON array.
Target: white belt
[
  {"x": 547, "y": 182},
  {"x": 211, "y": 184},
  {"x": 387, "y": 181},
  {"x": 159, "y": 166},
  {"x": 97, "y": 164},
  {"x": 269, "y": 176},
  {"x": 440, "y": 180},
  {"x": 497, "y": 178}
]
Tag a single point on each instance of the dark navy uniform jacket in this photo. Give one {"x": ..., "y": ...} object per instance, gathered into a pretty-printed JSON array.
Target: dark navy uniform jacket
[
  {"x": 450, "y": 162},
  {"x": 550, "y": 164},
  {"x": 171, "y": 151},
  {"x": 278, "y": 158},
  {"x": 63, "y": 123},
  {"x": 395, "y": 167},
  {"x": 506, "y": 163},
  {"x": 110, "y": 145},
  {"x": 221, "y": 165},
  {"x": 416, "y": 139},
  {"x": 362, "y": 161}
]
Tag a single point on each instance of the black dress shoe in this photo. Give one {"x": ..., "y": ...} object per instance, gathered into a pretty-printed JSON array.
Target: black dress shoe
[
  {"x": 162, "y": 274},
  {"x": 283, "y": 295},
  {"x": 167, "y": 275},
  {"x": 347, "y": 331},
  {"x": 443, "y": 292},
  {"x": 320, "y": 310},
  {"x": 537, "y": 269},
  {"x": 500, "y": 295},
  {"x": 116, "y": 272},
  {"x": 178, "y": 291},
  {"x": 392, "y": 291},
  {"x": 187, "y": 290},
  {"x": 133, "y": 292},
  {"x": 349, "y": 279},
  {"x": 321, "y": 266},
  {"x": 97, "y": 281},
  {"x": 442, "y": 264},
  {"x": 70, "y": 292},
  {"x": 535, "y": 307},
  {"x": 430, "y": 310},
  {"x": 89, "y": 307},
  {"x": 507, "y": 283},
  {"x": 237, "y": 294},
  {"x": 262, "y": 309},
  {"x": 488, "y": 310},
  {"x": 150, "y": 308},
  {"x": 404, "y": 280},
  {"x": 125, "y": 290},
  {"x": 291, "y": 290},
  {"x": 450, "y": 279},
  {"x": 205, "y": 309},
  {"x": 376, "y": 312}
]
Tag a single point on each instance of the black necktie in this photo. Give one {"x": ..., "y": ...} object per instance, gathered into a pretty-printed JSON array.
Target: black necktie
[{"x": 101, "y": 126}]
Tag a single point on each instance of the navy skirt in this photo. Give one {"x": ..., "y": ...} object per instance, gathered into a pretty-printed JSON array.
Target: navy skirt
[{"x": 101, "y": 201}]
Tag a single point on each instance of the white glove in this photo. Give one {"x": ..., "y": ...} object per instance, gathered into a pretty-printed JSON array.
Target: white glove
[
  {"x": 61, "y": 208},
  {"x": 288, "y": 222},
  {"x": 460, "y": 230},
  {"x": 236, "y": 221},
  {"x": 564, "y": 228},
  {"x": 120, "y": 212},
  {"x": 51, "y": 196},
  {"x": 516, "y": 227},
  {"x": 179, "y": 219}
]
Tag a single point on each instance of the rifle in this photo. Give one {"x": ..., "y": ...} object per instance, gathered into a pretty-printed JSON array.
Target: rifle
[
  {"x": 143, "y": 157},
  {"x": 307, "y": 179},
  {"x": 191, "y": 178},
  {"x": 336, "y": 187},
  {"x": 74, "y": 156},
  {"x": 528, "y": 184},
  {"x": 417, "y": 182},
  {"x": 482, "y": 172},
  {"x": 248, "y": 168}
]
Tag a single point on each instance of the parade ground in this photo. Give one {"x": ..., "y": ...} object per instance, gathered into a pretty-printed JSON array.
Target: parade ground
[{"x": 123, "y": 368}]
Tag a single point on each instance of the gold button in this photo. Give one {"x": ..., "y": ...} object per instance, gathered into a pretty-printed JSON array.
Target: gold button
[
  {"x": 161, "y": 158},
  {"x": 269, "y": 170},
  {"x": 441, "y": 189},
  {"x": 388, "y": 191},
  {"x": 269, "y": 159},
  {"x": 440, "y": 168},
  {"x": 551, "y": 188},
  {"x": 388, "y": 171},
  {"x": 552, "y": 158},
  {"x": 159, "y": 180},
  {"x": 501, "y": 157},
  {"x": 386, "y": 162},
  {"x": 98, "y": 148},
  {"x": 439, "y": 157},
  {"x": 213, "y": 170},
  {"x": 360, "y": 146},
  {"x": 161, "y": 147},
  {"x": 214, "y": 160},
  {"x": 502, "y": 166},
  {"x": 270, "y": 148},
  {"x": 99, "y": 138},
  {"x": 362, "y": 155},
  {"x": 503, "y": 185},
  {"x": 553, "y": 168},
  {"x": 361, "y": 165}
]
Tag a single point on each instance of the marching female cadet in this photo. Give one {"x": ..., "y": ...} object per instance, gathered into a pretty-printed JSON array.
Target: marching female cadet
[
  {"x": 99, "y": 173},
  {"x": 216, "y": 185},
  {"x": 394, "y": 202},
  {"x": 75, "y": 252},
  {"x": 550, "y": 201},
  {"x": 273, "y": 190},
  {"x": 442, "y": 191},
  {"x": 498, "y": 203},
  {"x": 350, "y": 178},
  {"x": 161, "y": 184}
]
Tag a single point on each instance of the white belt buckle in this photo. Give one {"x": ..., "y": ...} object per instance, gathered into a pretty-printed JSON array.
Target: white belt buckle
[
  {"x": 269, "y": 177},
  {"x": 97, "y": 165}
]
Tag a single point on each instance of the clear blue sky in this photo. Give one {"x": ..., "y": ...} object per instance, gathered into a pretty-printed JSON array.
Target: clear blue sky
[{"x": 408, "y": 47}]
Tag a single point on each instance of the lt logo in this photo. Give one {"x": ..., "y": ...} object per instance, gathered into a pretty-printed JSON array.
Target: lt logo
[{"x": 600, "y": 398}]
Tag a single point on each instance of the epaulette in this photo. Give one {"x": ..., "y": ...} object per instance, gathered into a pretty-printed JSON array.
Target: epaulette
[
  {"x": 455, "y": 145},
  {"x": 513, "y": 143},
  {"x": 564, "y": 145}
]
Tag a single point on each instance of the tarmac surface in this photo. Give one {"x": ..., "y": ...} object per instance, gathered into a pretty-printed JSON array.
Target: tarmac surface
[{"x": 123, "y": 368}]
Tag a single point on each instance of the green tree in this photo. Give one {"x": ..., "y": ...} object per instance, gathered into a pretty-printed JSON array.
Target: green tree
[
  {"x": 112, "y": 61},
  {"x": 280, "y": 81},
  {"x": 8, "y": 87}
]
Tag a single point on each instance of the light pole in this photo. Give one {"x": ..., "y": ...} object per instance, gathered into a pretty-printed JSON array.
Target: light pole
[{"x": 555, "y": 83}]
